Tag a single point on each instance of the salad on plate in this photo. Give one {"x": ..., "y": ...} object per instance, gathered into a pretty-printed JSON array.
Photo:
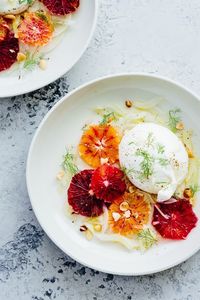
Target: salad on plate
[{"x": 132, "y": 178}]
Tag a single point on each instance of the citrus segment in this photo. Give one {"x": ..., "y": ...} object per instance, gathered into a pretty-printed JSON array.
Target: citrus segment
[
  {"x": 9, "y": 48},
  {"x": 81, "y": 197},
  {"x": 97, "y": 142},
  {"x": 129, "y": 213},
  {"x": 61, "y": 7},
  {"x": 175, "y": 219},
  {"x": 35, "y": 29},
  {"x": 108, "y": 183}
]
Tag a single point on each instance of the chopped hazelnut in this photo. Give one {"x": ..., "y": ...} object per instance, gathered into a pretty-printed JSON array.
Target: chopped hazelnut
[
  {"x": 131, "y": 189},
  {"x": 128, "y": 103},
  {"x": 83, "y": 228},
  {"x": 98, "y": 227},
  {"x": 43, "y": 64},
  {"x": 21, "y": 57},
  {"x": 187, "y": 193},
  {"x": 89, "y": 235},
  {"x": 116, "y": 216},
  {"x": 127, "y": 214},
  {"x": 180, "y": 126},
  {"x": 124, "y": 206},
  {"x": 10, "y": 17}
]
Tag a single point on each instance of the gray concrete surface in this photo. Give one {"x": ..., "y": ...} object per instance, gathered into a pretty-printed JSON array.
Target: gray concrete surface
[{"x": 154, "y": 36}]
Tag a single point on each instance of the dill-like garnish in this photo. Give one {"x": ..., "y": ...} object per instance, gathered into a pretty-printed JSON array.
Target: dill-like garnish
[
  {"x": 163, "y": 161},
  {"x": 42, "y": 16},
  {"x": 160, "y": 148},
  {"x": 25, "y": 1},
  {"x": 69, "y": 164},
  {"x": 109, "y": 117},
  {"x": 31, "y": 61},
  {"x": 150, "y": 140},
  {"x": 146, "y": 164},
  {"x": 194, "y": 188},
  {"x": 132, "y": 143},
  {"x": 174, "y": 118},
  {"x": 147, "y": 238}
]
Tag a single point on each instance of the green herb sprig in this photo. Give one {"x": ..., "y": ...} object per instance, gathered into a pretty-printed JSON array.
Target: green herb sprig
[
  {"x": 109, "y": 117},
  {"x": 194, "y": 188},
  {"x": 174, "y": 118},
  {"x": 147, "y": 238},
  {"x": 32, "y": 60},
  {"x": 146, "y": 164},
  {"x": 69, "y": 164},
  {"x": 25, "y": 1}
]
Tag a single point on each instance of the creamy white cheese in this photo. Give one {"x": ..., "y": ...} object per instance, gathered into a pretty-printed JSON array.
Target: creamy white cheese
[
  {"x": 154, "y": 159},
  {"x": 12, "y": 6}
]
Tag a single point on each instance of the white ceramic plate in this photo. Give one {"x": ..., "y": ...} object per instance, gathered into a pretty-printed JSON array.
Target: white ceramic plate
[
  {"x": 62, "y": 127},
  {"x": 61, "y": 59}
]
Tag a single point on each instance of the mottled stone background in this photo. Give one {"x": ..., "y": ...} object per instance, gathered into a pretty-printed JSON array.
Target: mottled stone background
[{"x": 154, "y": 36}]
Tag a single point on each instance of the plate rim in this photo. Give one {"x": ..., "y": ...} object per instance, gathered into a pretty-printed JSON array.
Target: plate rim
[
  {"x": 65, "y": 98},
  {"x": 62, "y": 73}
]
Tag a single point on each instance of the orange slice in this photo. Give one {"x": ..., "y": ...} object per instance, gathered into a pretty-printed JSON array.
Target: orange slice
[
  {"x": 129, "y": 213},
  {"x": 3, "y": 29},
  {"x": 35, "y": 29},
  {"x": 99, "y": 141}
]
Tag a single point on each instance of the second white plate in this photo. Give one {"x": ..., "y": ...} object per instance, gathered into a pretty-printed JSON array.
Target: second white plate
[{"x": 61, "y": 58}]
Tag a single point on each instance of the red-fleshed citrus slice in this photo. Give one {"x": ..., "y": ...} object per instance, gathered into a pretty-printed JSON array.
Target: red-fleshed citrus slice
[
  {"x": 4, "y": 28},
  {"x": 174, "y": 220},
  {"x": 129, "y": 213},
  {"x": 108, "y": 183},
  {"x": 61, "y": 7},
  {"x": 99, "y": 141},
  {"x": 35, "y": 29},
  {"x": 82, "y": 198},
  {"x": 9, "y": 48}
]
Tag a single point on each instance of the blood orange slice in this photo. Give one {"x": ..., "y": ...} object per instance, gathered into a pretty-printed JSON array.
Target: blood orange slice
[
  {"x": 174, "y": 220},
  {"x": 82, "y": 198},
  {"x": 99, "y": 141},
  {"x": 9, "y": 48},
  {"x": 35, "y": 29},
  {"x": 129, "y": 213},
  {"x": 4, "y": 28},
  {"x": 61, "y": 7},
  {"x": 108, "y": 183}
]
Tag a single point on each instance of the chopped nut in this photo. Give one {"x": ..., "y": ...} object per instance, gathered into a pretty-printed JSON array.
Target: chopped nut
[
  {"x": 180, "y": 126},
  {"x": 16, "y": 35},
  {"x": 43, "y": 64},
  {"x": 97, "y": 227},
  {"x": 60, "y": 175},
  {"x": 21, "y": 57},
  {"x": 104, "y": 161},
  {"x": 127, "y": 214},
  {"x": 124, "y": 206},
  {"x": 83, "y": 228},
  {"x": 116, "y": 216},
  {"x": 189, "y": 152},
  {"x": 10, "y": 17},
  {"x": 89, "y": 235},
  {"x": 187, "y": 193},
  {"x": 131, "y": 189},
  {"x": 128, "y": 103}
]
